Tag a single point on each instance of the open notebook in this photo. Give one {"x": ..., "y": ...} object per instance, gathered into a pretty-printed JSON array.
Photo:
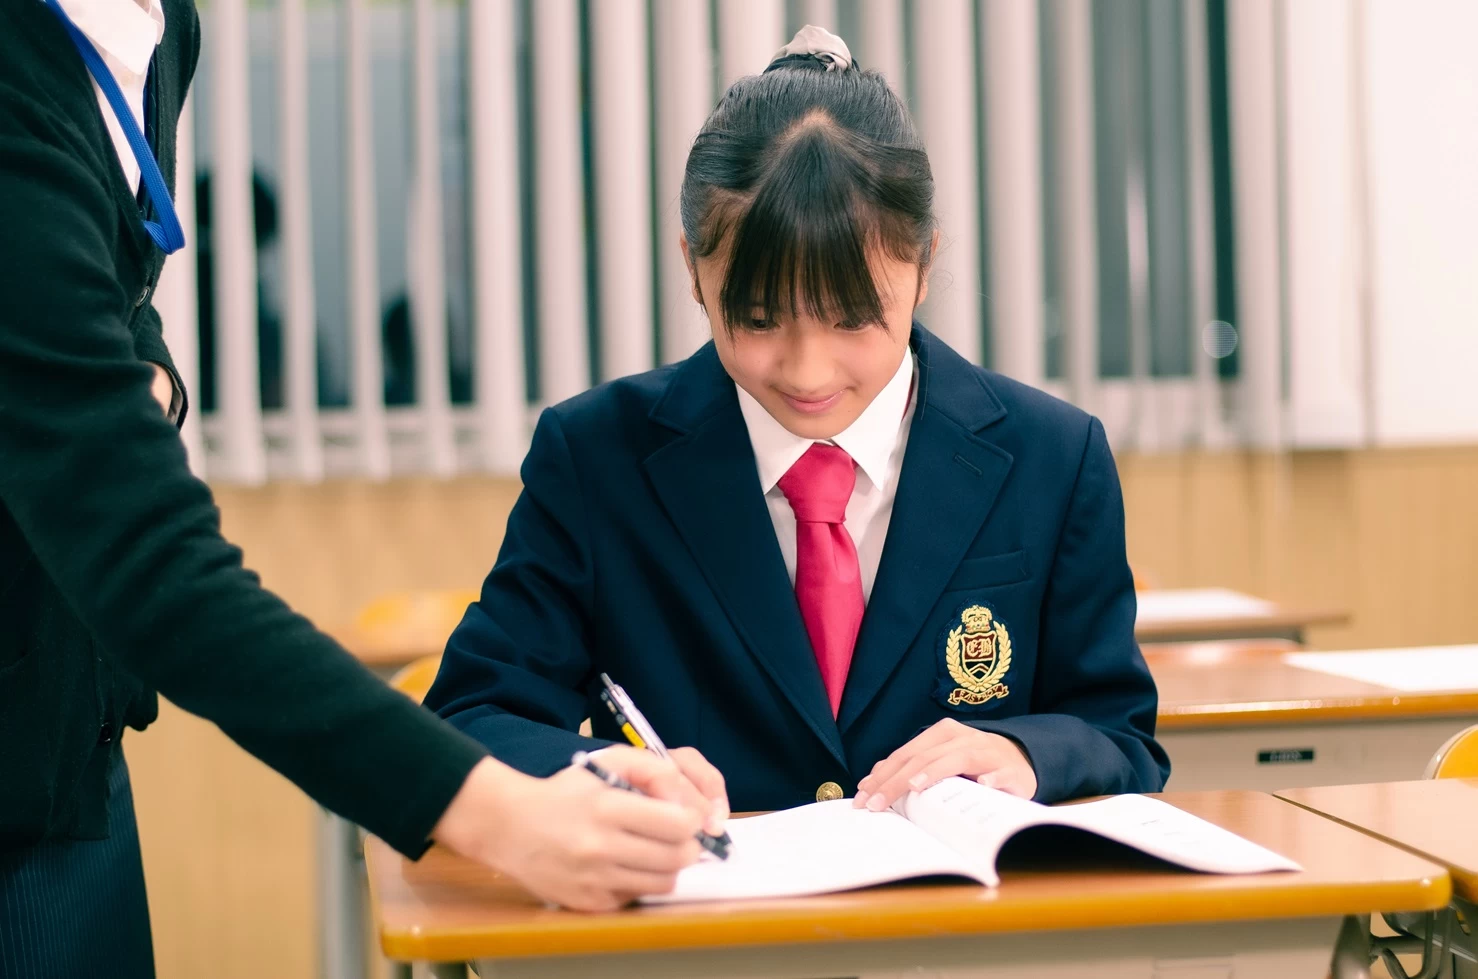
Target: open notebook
[{"x": 953, "y": 828}]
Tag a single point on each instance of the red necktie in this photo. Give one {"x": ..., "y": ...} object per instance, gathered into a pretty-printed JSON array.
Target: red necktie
[{"x": 828, "y": 583}]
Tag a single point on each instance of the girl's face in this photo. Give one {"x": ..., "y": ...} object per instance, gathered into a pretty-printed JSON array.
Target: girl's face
[{"x": 815, "y": 375}]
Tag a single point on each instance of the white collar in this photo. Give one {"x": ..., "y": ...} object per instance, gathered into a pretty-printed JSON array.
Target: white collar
[
  {"x": 120, "y": 29},
  {"x": 870, "y": 440}
]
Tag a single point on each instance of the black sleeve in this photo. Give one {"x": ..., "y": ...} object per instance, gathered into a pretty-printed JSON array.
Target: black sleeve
[{"x": 97, "y": 482}]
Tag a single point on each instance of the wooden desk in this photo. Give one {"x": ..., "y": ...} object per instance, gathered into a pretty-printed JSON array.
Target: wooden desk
[
  {"x": 1433, "y": 818},
  {"x": 1217, "y": 652},
  {"x": 1190, "y": 615},
  {"x": 1239, "y": 717},
  {"x": 397, "y": 629},
  {"x": 1118, "y": 916}
]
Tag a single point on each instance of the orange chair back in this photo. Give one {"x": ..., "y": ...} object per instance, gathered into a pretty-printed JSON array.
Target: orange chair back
[
  {"x": 415, "y": 679},
  {"x": 1458, "y": 758},
  {"x": 437, "y": 611}
]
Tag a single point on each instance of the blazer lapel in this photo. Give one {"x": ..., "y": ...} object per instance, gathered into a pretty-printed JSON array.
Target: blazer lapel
[
  {"x": 707, "y": 482},
  {"x": 949, "y": 483}
]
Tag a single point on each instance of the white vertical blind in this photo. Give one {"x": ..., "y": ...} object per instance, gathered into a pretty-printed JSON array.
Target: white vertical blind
[
  {"x": 244, "y": 456},
  {"x": 945, "y": 103},
  {"x": 564, "y": 350},
  {"x": 1077, "y": 208},
  {"x": 1326, "y": 369},
  {"x": 1305, "y": 245},
  {"x": 367, "y": 389},
  {"x": 427, "y": 253},
  {"x": 623, "y": 184},
  {"x": 749, "y": 34},
  {"x": 880, "y": 40},
  {"x": 497, "y": 269},
  {"x": 1013, "y": 143},
  {"x": 1138, "y": 427},
  {"x": 1254, "y": 125},
  {"x": 176, "y": 300},
  {"x": 1201, "y": 225},
  {"x": 299, "y": 322},
  {"x": 822, "y": 13},
  {"x": 682, "y": 69}
]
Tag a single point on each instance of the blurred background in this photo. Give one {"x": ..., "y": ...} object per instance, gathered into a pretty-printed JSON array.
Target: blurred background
[{"x": 1242, "y": 232}]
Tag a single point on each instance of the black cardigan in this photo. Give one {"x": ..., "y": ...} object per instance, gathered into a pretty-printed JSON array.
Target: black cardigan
[{"x": 115, "y": 581}]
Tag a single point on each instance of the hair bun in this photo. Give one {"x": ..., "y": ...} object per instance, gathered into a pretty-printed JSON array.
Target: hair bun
[{"x": 816, "y": 44}]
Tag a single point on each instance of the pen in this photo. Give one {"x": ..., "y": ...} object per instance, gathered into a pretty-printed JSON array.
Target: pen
[
  {"x": 634, "y": 724},
  {"x": 713, "y": 844}
]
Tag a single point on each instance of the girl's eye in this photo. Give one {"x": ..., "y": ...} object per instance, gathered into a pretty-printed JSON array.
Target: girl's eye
[
  {"x": 852, "y": 327},
  {"x": 759, "y": 324}
]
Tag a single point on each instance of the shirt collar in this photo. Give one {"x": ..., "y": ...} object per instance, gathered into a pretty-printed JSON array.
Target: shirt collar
[
  {"x": 120, "y": 29},
  {"x": 870, "y": 440}
]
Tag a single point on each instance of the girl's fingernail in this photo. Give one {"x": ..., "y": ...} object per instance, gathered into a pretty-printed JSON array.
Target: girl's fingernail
[
  {"x": 877, "y": 803},
  {"x": 918, "y": 782},
  {"x": 859, "y": 801}
]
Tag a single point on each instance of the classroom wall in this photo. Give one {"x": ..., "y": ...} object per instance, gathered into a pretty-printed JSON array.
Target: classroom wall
[{"x": 1391, "y": 536}]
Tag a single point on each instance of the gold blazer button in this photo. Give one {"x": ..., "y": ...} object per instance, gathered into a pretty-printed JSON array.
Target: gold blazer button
[{"x": 828, "y": 792}]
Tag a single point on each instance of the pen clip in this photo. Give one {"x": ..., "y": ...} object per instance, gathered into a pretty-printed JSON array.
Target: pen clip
[{"x": 623, "y": 707}]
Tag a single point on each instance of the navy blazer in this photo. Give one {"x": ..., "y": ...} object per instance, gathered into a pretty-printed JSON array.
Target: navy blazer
[{"x": 641, "y": 546}]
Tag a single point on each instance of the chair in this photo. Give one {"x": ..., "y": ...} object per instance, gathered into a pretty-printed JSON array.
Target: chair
[
  {"x": 418, "y": 613},
  {"x": 1458, "y": 758},
  {"x": 415, "y": 679}
]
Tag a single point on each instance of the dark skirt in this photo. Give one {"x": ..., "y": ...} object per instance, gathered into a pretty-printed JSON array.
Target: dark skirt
[{"x": 78, "y": 907}]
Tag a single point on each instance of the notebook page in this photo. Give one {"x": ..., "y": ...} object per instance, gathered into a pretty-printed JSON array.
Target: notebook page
[
  {"x": 1427, "y": 668},
  {"x": 816, "y": 849},
  {"x": 970, "y": 818},
  {"x": 1171, "y": 605},
  {"x": 1163, "y": 831},
  {"x": 975, "y": 819}
]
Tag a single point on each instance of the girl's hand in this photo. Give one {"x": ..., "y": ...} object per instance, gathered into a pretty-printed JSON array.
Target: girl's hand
[{"x": 948, "y": 748}]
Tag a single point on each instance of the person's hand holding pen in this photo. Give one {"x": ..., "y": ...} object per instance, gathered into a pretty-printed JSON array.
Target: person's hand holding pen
[
  {"x": 570, "y": 839},
  {"x": 701, "y": 787}
]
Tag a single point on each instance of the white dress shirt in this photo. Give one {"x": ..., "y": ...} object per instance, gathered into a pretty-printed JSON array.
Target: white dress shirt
[
  {"x": 875, "y": 441},
  {"x": 125, "y": 33}
]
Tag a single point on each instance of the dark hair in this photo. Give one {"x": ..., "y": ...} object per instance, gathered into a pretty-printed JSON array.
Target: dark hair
[{"x": 805, "y": 173}]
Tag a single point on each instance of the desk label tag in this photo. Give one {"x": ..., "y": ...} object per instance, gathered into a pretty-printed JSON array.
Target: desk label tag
[{"x": 1286, "y": 756}]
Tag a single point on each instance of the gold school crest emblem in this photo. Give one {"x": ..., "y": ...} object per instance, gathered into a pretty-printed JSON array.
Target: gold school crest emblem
[{"x": 978, "y": 654}]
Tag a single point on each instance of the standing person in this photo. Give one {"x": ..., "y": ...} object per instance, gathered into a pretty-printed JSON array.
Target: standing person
[{"x": 115, "y": 581}]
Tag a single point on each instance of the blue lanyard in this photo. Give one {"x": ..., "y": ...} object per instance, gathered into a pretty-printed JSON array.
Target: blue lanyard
[{"x": 166, "y": 232}]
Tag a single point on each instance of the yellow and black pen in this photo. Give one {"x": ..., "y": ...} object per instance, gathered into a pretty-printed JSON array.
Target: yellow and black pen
[{"x": 634, "y": 725}]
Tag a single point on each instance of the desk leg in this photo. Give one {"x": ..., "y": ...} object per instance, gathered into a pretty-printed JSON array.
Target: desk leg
[
  {"x": 1287, "y": 949},
  {"x": 438, "y": 970},
  {"x": 1351, "y": 958},
  {"x": 1465, "y": 966},
  {"x": 341, "y": 909}
]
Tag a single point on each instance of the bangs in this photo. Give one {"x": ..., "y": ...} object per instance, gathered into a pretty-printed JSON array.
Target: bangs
[{"x": 801, "y": 244}]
